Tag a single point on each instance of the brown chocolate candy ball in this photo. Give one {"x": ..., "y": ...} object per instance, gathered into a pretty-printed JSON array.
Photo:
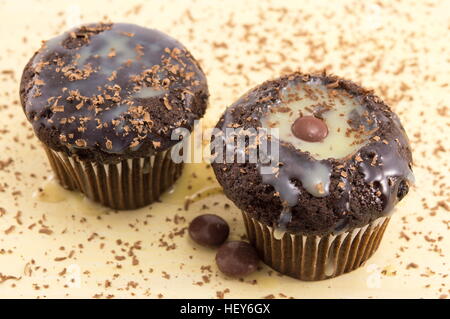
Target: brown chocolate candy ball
[
  {"x": 209, "y": 230},
  {"x": 237, "y": 258},
  {"x": 310, "y": 129}
]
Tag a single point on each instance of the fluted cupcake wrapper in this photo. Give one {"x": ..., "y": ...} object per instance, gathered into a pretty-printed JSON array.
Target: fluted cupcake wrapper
[
  {"x": 130, "y": 184},
  {"x": 315, "y": 257}
]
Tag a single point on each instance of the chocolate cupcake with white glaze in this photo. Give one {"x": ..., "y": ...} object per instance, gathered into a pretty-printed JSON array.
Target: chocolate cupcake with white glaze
[
  {"x": 104, "y": 99},
  {"x": 318, "y": 208}
]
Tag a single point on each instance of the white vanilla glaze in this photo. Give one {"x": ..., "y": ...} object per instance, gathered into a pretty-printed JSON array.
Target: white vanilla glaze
[
  {"x": 314, "y": 176},
  {"x": 148, "y": 92},
  {"x": 349, "y": 128},
  {"x": 52, "y": 192},
  {"x": 301, "y": 99}
]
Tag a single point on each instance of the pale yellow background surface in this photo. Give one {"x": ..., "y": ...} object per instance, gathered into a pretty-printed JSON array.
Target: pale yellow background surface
[{"x": 398, "y": 48}]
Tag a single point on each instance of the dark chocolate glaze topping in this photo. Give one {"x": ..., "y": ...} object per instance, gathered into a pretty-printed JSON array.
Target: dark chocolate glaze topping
[
  {"x": 312, "y": 196},
  {"x": 112, "y": 91}
]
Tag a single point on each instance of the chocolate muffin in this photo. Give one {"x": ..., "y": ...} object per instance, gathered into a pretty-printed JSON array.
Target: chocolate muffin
[
  {"x": 104, "y": 99},
  {"x": 332, "y": 161}
]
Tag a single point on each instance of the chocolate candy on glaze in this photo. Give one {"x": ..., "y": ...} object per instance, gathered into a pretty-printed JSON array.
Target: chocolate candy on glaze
[
  {"x": 310, "y": 129},
  {"x": 237, "y": 259},
  {"x": 209, "y": 230},
  {"x": 328, "y": 183},
  {"x": 109, "y": 92}
]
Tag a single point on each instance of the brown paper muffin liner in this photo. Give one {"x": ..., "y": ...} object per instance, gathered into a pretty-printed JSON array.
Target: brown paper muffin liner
[
  {"x": 315, "y": 257},
  {"x": 130, "y": 184}
]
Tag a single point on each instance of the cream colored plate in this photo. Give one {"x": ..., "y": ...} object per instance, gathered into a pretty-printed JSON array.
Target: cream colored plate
[{"x": 60, "y": 245}]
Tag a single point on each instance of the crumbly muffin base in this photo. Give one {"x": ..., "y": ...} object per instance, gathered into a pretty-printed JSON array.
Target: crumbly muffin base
[
  {"x": 129, "y": 184},
  {"x": 311, "y": 257}
]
